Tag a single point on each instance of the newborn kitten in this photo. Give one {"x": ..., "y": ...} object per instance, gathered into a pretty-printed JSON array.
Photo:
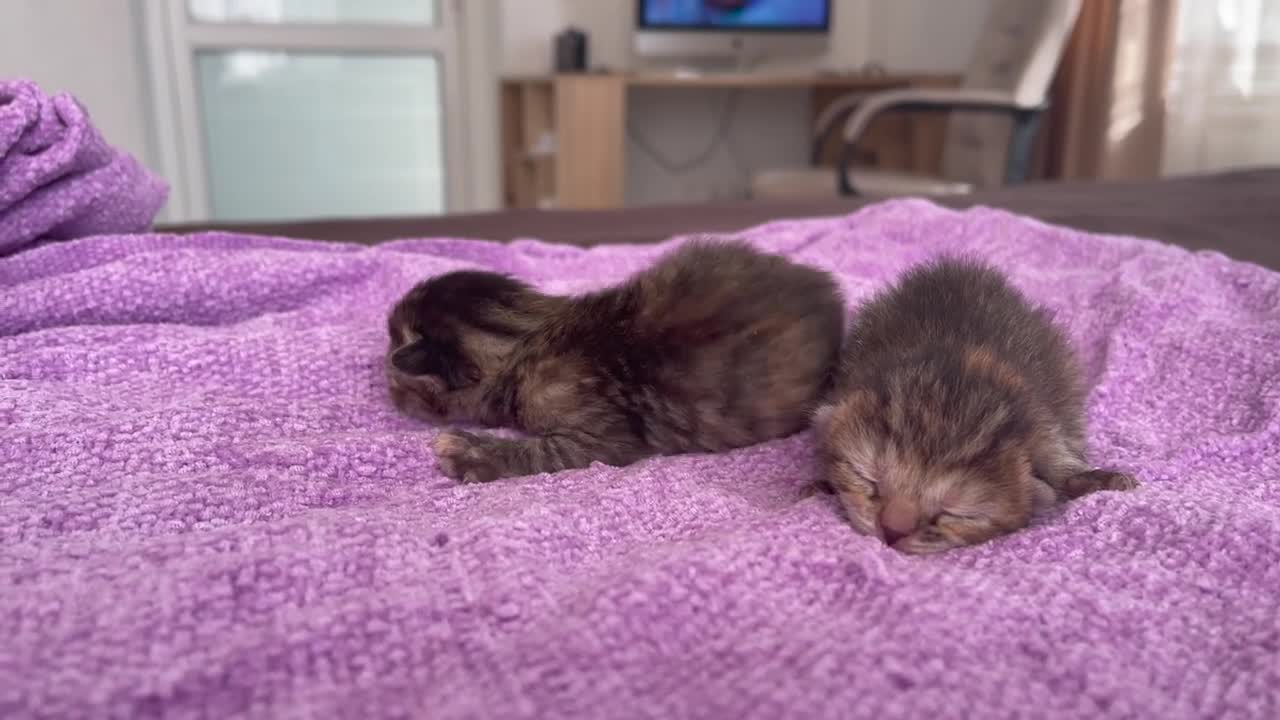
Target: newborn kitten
[
  {"x": 958, "y": 412},
  {"x": 716, "y": 346}
]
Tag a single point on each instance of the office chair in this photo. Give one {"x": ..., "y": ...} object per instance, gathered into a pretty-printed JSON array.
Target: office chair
[{"x": 988, "y": 143}]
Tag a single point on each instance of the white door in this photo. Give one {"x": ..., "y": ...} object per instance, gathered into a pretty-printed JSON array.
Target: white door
[{"x": 288, "y": 109}]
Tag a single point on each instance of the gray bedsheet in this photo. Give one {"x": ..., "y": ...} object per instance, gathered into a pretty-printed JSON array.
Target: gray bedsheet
[{"x": 1237, "y": 213}]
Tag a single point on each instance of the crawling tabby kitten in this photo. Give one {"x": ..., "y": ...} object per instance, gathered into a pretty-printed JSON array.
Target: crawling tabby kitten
[
  {"x": 958, "y": 411},
  {"x": 716, "y": 346}
]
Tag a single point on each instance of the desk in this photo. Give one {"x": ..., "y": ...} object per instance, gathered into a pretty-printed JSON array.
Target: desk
[{"x": 564, "y": 136}]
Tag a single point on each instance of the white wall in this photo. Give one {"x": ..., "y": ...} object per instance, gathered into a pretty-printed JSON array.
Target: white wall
[
  {"x": 481, "y": 32},
  {"x": 923, "y": 35},
  {"x": 770, "y": 127},
  {"x": 92, "y": 49}
]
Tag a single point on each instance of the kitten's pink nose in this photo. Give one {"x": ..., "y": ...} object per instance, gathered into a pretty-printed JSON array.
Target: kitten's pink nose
[{"x": 897, "y": 520}]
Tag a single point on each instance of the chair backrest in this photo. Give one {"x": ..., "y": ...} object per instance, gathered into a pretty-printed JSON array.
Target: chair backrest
[{"x": 1018, "y": 52}]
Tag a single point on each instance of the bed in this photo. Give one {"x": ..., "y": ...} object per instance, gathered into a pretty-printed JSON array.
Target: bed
[
  {"x": 209, "y": 507},
  {"x": 1233, "y": 212}
]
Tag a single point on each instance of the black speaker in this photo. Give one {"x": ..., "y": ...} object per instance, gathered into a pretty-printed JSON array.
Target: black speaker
[{"x": 570, "y": 51}]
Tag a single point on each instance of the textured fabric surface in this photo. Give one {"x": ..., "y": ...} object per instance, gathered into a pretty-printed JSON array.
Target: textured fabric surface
[
  {"x": 208, "y": 507},
  {"x": 59, "y": 179}
]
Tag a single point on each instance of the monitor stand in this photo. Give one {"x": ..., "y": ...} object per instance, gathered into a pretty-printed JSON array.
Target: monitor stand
[{"x": 736, "y": 64}]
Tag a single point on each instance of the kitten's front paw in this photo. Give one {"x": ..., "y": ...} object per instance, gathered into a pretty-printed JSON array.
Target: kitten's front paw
[
  {"x": 1096, "y": 480},
  {"x": 461, "y": 456}
]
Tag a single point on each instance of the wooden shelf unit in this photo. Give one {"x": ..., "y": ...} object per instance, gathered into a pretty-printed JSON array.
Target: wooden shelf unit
[{"x": 564, "y": 136}]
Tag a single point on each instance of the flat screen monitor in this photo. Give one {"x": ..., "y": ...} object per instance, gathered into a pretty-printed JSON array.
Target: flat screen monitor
[{"x": 707, "y": 28}]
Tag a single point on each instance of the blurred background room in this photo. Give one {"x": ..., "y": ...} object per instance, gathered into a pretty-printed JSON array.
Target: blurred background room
[{"x": 268, "y": 110}]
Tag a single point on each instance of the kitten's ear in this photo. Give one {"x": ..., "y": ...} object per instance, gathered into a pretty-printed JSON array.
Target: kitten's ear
[
  {"x": 849, "y": 414},
  {"x": 425, "y": 359}
]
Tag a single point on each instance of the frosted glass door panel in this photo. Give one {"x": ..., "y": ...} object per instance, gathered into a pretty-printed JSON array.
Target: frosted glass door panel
[
  {"x": 296, "y": 135},
  {"x": 394, "y": 12}
]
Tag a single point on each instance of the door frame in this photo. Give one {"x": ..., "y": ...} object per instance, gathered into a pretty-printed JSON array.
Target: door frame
[{"x": 457, "y": 39}]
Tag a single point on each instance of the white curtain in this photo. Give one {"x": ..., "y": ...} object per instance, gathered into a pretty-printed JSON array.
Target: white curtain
[{"x": 1223, "y": 97}]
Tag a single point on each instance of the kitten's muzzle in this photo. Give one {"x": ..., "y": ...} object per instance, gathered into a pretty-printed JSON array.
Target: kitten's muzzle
[{"x": 898, "y": 519}]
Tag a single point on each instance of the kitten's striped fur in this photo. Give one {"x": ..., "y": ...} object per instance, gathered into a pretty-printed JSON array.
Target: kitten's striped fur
[
  {"x": 716, "y": 346},
  {"x": 959, "y": 410}
]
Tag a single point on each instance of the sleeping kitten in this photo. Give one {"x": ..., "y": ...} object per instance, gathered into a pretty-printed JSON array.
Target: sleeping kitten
[
  {"x": 958, "y": 412},
  {"x": 716, "y": 346}
]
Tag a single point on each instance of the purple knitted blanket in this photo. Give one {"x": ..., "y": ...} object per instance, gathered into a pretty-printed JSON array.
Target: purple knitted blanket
[
  {"x": 209, "y": 508},
  {"x": 59, "y": 179}
]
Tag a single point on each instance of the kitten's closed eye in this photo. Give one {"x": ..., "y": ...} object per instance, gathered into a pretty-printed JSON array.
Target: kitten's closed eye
[
  {"x": 423, "y": 357},
  {"x": 862, "y": 482},
  {"x": 872, "y": 486},
  {"x": 851, "y": 475}
]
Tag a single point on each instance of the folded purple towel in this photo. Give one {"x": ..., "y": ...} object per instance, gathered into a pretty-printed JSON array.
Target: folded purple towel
[
  {"x": 209, "y": 507},
  {"x": 59, "y": 179}
]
